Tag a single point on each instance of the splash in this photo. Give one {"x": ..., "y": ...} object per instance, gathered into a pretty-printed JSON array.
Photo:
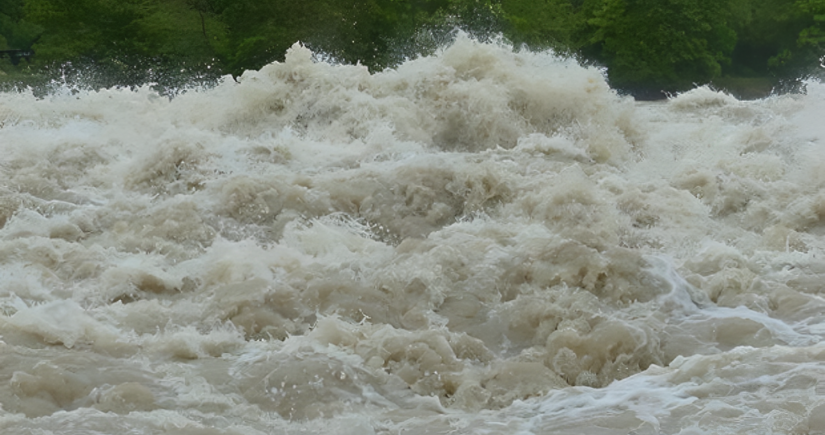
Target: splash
[{"x": 481, "y": 240}]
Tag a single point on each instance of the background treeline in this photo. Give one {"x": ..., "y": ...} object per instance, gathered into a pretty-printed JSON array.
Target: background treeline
[{"x": 647, "y": 45}]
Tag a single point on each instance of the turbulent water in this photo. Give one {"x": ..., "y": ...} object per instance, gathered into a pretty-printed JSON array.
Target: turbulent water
[{"x": 479, "y": 241}]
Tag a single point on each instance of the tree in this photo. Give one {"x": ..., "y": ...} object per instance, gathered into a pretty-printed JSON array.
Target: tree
[
  {"x": 662, "y": 44},
  {"x": 376, "y": 33},
  {"x": 126, "y": 42},
  {"x": 812, "y": 38},
  {"x": 556, "y": 24},
  {"x": 186, "y": 31},
  {"x": 646, "y": 45},
  {"x": 15, "y": 32},
  {"x": 767, "y": 32},
  {"x": 75, "y": 28}
]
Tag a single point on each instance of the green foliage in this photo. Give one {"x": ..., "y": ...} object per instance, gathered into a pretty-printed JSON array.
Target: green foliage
[
  {"x": 122, "y": 42},
  {"x": 426, "y": 29},
  {"x": 766, "y": 36},
  {"x": 556, "y": 24},
  {"x": 645, "y": 44},
  {"x": 181, "y": 29},
  {"x": 669, "y": 44},
  {"x": 15, "y": 32},
  {"x": 370, "y": 32},
  {"x": 257, "y": 30},
  {"x": 82, "y": 27},
  {"x": 106, "y": 29},
  {"x": 661, "y": 45},
  {"x": 814, "y": 36}
]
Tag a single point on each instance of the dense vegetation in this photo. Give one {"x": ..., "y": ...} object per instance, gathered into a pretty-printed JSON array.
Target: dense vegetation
[{"x": 647, "y": 45}]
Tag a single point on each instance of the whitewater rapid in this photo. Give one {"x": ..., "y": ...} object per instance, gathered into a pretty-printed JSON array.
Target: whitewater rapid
[{"x": 479, "y": 241}]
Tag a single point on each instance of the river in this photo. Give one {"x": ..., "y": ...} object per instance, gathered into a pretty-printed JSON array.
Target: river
[{"x": 478, "y": 241}]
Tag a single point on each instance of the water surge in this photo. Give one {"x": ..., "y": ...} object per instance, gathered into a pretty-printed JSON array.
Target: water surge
[{"x": 479, "y": 241}]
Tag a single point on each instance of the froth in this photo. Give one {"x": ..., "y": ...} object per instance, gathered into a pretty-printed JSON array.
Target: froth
[{"x": 481, "y": 232}]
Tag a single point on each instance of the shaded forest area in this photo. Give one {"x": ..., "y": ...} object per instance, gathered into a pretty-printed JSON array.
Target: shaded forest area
[{"x": 648, "y": 46}]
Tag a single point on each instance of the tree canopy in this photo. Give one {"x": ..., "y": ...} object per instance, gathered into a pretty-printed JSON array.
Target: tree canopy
[{"x": 667, "y": 45}]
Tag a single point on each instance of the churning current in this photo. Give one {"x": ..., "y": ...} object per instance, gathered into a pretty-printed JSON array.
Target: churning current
[{"x": 479, "y": 241}]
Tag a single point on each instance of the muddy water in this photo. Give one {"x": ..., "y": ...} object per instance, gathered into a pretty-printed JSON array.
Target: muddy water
[{"x": 480, "y": 241}]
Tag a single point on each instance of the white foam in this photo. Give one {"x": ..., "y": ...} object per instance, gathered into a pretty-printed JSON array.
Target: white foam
[{"x": 479, "y": 241}]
